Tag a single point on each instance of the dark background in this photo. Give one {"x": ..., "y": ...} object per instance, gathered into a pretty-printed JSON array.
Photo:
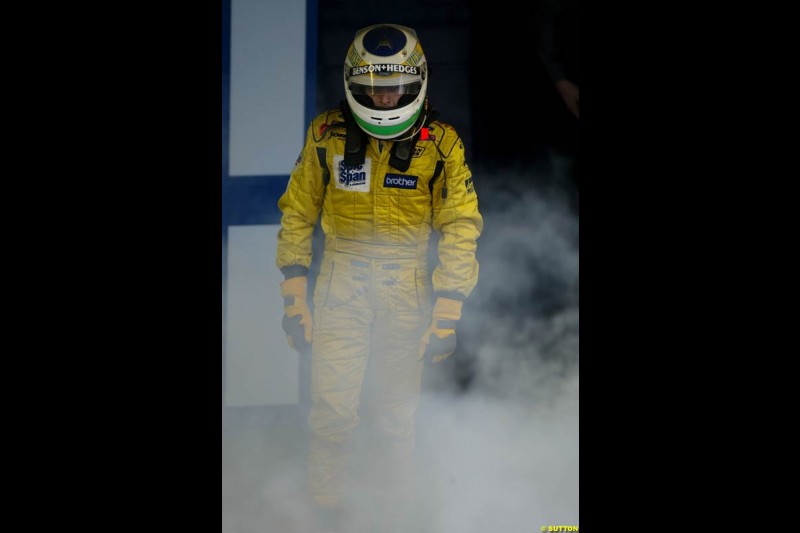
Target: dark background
[
  {"x": 153, "y": 112},
  {"x": 485, "y": 76},
  {"x": 654, "y": 105}
]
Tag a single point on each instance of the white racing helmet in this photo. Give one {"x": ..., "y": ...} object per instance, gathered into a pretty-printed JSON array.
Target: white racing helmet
[{"x": 385, "y": 58}]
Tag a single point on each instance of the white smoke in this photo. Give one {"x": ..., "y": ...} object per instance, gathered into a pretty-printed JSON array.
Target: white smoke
[
  {"x": 499, "y": 451},
  {"x": 493, "y": 465},
  {"x": 497, "y": 441}
]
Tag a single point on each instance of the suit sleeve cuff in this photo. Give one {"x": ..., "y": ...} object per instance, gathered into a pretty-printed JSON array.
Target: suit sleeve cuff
[
  {"x": 451, "y": 295},
  {"x": 293, "y": 271}
]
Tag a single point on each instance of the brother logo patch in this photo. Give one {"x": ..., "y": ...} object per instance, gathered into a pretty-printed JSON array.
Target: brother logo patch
[{"x": 400, "y": 181}]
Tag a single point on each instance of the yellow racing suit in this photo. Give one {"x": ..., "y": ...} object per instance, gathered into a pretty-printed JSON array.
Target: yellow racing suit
[{"x": 373, "y": 296}]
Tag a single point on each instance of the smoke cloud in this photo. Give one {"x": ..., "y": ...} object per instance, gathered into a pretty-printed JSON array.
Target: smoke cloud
[{"x": 497, "y": 439}]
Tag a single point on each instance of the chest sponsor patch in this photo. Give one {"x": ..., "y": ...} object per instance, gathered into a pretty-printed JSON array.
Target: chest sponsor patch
[
  {"x": 353, "y": 178},
  {"x": 400, "y": 181}
]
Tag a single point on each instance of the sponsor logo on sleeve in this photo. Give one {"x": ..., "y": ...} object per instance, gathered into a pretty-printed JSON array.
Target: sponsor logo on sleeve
[{"x": 469, "y": 185}]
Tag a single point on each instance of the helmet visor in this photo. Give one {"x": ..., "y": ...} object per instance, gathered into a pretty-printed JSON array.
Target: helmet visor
[{"x": 368, "y": 89}]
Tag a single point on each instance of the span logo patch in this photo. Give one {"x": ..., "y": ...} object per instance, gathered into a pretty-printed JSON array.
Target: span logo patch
[
  {"x": 351, "y": 178},
  {"x": 469, "y": 185},
  {"x": 400, "y": 181}
]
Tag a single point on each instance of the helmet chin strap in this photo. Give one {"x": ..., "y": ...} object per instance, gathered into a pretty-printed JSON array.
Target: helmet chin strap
[
  {"x": 400, "y": 157},
  {"x": 418, "y": 125}
]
